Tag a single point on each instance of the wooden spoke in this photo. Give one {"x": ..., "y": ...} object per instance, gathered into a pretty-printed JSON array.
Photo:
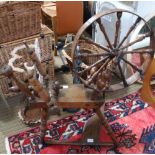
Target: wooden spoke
[
  {"x": 114, "y": 73},
  {"x": 104, "y": 32},
  {"x": 118, "y": 23},
  {"x": 141, "y": 51},
  {"x": 133, "y": 66},
  {"x": 122, "y": 75},
  {"x": 96, "y": 73},
  {"x": 83, "y": 55},
  {"x": 82, "y": 80},
  {"x": 88, "y": 40},
  {"x": 136, "y": 41},
  {"x": 92, "y": 87},
  {"x": 93, "y": 65},
  {"x": 93, "y": 51},
  {"x": 130, "y": 30},
  {"x": 86, "y": 83}
]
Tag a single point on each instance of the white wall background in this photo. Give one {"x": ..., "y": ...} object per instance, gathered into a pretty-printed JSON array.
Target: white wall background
[{"x": 146, "y": 8}]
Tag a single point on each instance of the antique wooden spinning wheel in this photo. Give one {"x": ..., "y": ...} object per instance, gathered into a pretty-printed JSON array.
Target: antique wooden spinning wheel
[{"x": 95, "y": 68}]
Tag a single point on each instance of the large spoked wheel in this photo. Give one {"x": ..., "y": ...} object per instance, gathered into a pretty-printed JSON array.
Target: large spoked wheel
[{"x": 96, "y": 66}]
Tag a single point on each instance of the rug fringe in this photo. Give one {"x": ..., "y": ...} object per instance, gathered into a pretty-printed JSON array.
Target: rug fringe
[{"x": 8, "y": 151}]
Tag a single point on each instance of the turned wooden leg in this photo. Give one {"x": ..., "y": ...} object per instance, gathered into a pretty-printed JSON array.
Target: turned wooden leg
[
  {"x": 43, "y": 126},
  {"x": 54, "y": 25},
  {"x": 55, "y": 43},
  {"x": 106, "y": 125}
]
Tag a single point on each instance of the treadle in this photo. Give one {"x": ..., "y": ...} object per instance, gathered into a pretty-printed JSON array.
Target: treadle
[{"x": 79, "y": 143}]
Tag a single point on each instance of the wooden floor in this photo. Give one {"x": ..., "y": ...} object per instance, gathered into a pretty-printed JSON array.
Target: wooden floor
[{"x": 10, "y": 123}]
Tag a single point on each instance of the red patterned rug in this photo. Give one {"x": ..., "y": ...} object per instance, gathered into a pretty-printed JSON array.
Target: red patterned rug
[{"x": 131, "y": 119}]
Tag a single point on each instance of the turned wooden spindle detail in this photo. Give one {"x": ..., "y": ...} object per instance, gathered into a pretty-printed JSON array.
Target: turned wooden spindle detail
[
  {"x": 36, "y": 60},
  {"x": 118, "y": 23}
]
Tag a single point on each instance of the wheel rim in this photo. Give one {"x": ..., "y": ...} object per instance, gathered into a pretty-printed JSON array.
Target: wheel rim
[{"x": 116, "y": 49}]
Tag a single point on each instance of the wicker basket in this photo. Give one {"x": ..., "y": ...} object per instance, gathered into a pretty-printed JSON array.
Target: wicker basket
[
  {"x": 46, "y": 50},
  {"x": 19, "y": 20},
  {"x": 88, "y": 48}
]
